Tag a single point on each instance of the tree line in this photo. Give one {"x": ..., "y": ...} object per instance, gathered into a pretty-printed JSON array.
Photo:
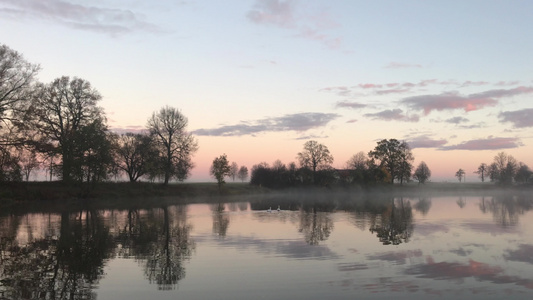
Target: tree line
[
  {"x": 58, "y": 126},
  {"x": 390, "y": 161}
]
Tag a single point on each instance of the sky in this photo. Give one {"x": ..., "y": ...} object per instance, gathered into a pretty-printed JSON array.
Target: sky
[{"x": 258, "y": 78}]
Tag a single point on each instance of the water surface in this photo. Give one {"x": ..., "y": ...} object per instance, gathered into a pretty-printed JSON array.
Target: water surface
[{"x": 469, "y": 247}]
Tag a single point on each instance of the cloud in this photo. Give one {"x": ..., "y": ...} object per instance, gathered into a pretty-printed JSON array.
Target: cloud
[
  {"x": 520, "y": 118},
  {"x": 78, "y": 16},
  {"x": 457, "y": 271},
  {"x": 399, "y": 257},
  {"x": 491, "y": 143},
  {"x": 393, "y": 115},
  {"x": 346, "y": 104},
  {"x": 294, "y": 122},
  {"x": 522, "y": 254},
  {"x": 392, "y": 91},
  {"x": 456, "y": 120},
  {"x": 283, "y": 14},
  {"x": 507, "y": 83},
  {"x": 126, "y": 129},
  {"x": 447, "y": 101},
  {"x": 501, "y": 93},
  {"x": 273, "y": 12},
  {"x": 343, "y": 91},
  {"x": 311, "y": 137},
  {"x": 424, "y": 141},
  {"x": 351, "y": 121},
  {"x": 397, "y": 65}
]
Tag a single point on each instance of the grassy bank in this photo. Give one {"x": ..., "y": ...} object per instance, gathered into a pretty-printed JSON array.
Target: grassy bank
[
  {"x": 57, "y": 195},
  {"x": 113, "y": 194}
]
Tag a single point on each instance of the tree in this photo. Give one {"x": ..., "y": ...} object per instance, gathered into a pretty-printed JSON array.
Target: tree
[
  {"x": 28, "y": 162},
  {"x": 59, "y": 111},
  {"x": 395, "y": 157},
  {"x": 233, "y": 170},
  {"x": 314, "y": 156},
  {"x": 422, "y": 173},
  {"x": 357, "y": 161},
  {"x": 523, "y": 174},
  {"x": 220, "y": 169},
  {"x": 93, "y": 152},
  {"x": 460, "y": 174},
  {"x": 136, "y": 154},
  {"x": 243, "y": 173},
  {"x": 482, "y": 171},
  {"x": 505, "y": 167},
  {"x": 177, "y": 145},
  {"x": 16, "y": 78}
]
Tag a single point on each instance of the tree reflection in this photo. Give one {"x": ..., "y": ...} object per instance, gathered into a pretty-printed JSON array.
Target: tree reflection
[
  {"x": 506, "y": 208},
  {"x": 461, "y": 202},
  {"x": 315, "y": 224},
  {"x": 220, "y": 219},
  {"x": 165, "y": 253},
  {"x": 395, "y": 224},
  {"x": 423, "y": 205},
  {"x": 57, "y": 267}
]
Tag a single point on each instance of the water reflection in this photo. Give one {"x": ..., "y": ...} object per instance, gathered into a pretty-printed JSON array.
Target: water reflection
[
  {"x": 64, "y": 266},
  {"x": 395, "y": 225},
  {"x": 64, "y": 255},
  {"x": 220, "y": 219},
  {"x": 506, "y": 208},
  {"x": 159, "y": 240},
  {"x": 423, "y": 205}
]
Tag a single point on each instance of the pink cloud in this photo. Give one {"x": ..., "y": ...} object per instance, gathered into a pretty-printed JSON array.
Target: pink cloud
[
  {"x": 447, "y": 101},
  {"x": 370, "y": 86},
  {"x": 339, "y": 90},
  {"x": 283, "y": 14},
  {"x": 392, "y": 91},
  {"x": 491, "y": 143},
  {"x": 474, "y": 83},
  {"x": 520, "y": 118},
  {"x": 507, "y": 83}
]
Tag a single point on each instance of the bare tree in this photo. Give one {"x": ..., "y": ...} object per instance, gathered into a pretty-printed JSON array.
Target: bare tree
[
  {"x": 482, "y": 170},
  {"x": 136, "y": 152},
  {"x": 233, "y": 170},
  {"x": 59, "y": 111},
  {"x": 460, "y": 174},
  {"x": 169, "y": 126},
  {"x": 29, "y": 162},
  {"x": 314, "y": 156},
  {"x": 16, "y": 77},
  {"x": 243, "y": 173},
  {"x": 505, "y": 168},
  {"x": 523, "y": 174}
]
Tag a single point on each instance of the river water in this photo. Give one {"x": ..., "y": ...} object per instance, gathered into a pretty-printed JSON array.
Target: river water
[{"x": 465, "y": 247}]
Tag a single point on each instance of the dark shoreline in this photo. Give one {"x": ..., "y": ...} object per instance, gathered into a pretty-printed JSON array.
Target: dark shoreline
[{"x": 55, "y": 196}]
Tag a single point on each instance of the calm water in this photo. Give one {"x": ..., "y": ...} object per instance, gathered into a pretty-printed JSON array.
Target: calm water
[{"x": 443, "y": 247}]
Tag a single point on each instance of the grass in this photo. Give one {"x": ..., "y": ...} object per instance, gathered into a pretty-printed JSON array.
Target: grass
[{"x": 57, "y": 195}]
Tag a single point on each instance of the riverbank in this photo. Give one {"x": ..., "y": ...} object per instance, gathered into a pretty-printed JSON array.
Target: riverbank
[
  {"x": 112, "y": 194},
  {"x": 58, "y": 196}
]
